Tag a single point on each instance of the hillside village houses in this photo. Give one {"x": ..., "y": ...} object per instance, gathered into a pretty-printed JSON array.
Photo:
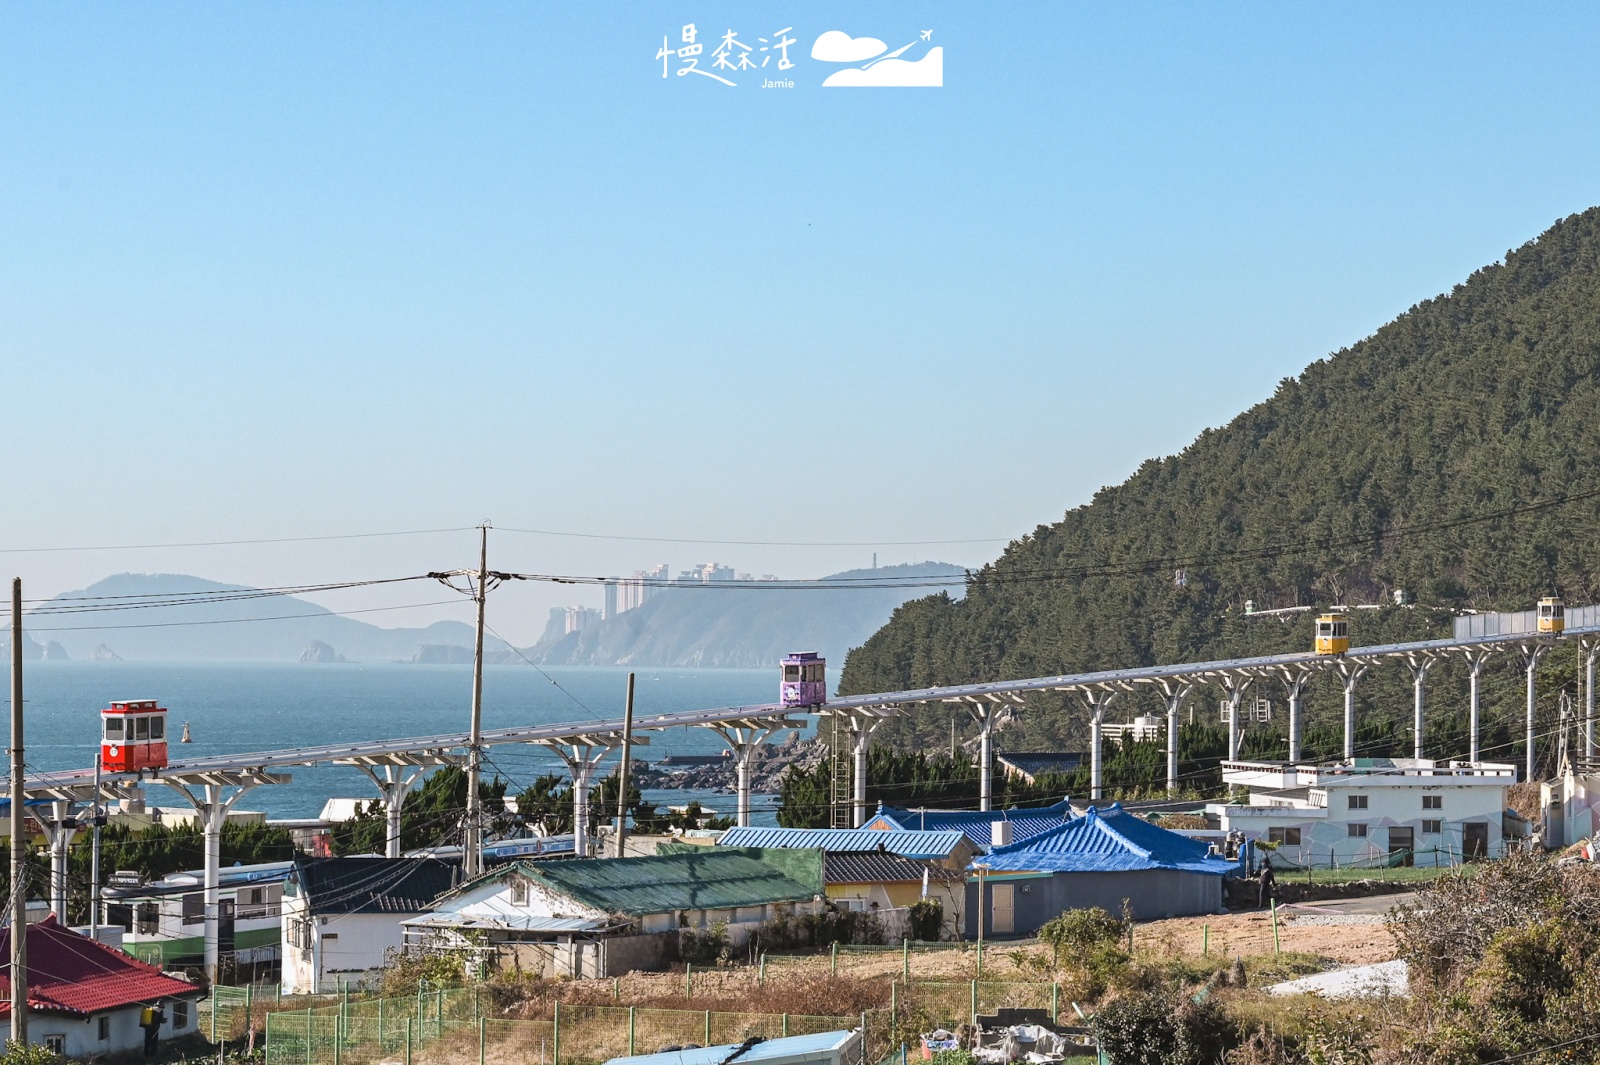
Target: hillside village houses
[{"x": 1367, "y": 809}]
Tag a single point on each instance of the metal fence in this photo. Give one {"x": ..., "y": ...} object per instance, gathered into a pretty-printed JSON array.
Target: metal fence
[{"x": 453, "y": 1027}]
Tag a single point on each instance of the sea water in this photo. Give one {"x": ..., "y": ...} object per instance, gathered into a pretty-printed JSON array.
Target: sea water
[{"x": 247, "y": 707}]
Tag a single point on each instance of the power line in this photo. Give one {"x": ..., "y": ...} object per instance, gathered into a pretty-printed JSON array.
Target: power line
[
  {"x": 755, "y": 543},
  {"x": 230, "y": 543}
]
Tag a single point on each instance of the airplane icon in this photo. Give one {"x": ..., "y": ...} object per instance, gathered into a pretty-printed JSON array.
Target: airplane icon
[{"x": 927, "y": 35}]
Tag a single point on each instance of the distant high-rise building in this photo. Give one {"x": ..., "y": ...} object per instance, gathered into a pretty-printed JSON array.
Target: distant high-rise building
[
  {"x": 633, "y": 592},
  {"x": 579, "y": 618},
  {"x": 610, "y": 608}
]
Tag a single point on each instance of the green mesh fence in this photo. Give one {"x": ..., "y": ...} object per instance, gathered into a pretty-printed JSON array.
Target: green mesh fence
[{"x": 450, "y": 1027}]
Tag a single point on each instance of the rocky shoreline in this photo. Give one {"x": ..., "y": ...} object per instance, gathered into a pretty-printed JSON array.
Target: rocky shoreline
[{"x": 772, "y": 761}]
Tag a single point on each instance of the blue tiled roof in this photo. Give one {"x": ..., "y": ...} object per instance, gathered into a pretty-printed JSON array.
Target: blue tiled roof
[
  {"x": 926, "y": 845},
  {"x": 1102, "y": 841},
  {"x": 975, "y": 824}
]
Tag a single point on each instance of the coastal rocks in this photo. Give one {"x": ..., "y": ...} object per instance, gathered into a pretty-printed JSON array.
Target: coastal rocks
[
  {"x": 772, "y": 762},
  {"x": 317, "y": 651},
  {"x": 54, "y": 652},
  {"x": 102, "y": 653}
]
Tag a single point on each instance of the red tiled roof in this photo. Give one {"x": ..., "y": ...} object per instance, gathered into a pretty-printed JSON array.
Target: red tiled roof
[{"x": 69, "y": 973}]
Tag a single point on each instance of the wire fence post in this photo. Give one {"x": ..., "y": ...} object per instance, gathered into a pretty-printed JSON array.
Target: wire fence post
[
  {"x": 408, "y": 1041},
  {"x": 1205, "y": 940},
  {"x": 761, "y": 976},
  {"x": 438, "y": 1020},
  {"x": 1277, "y": 948},
  {"x": 310, "y": 1054},
  {"x": 1055, "y": 1001},
  {"x": 785, "y": 1028},
  {"x": 555, "y": 1036},
  {"x": 483, "y": 1038},
  {"x": 980, "y": 959},
  {"x": 616, "y": 989},
  {"x": 905, "y": 958},
  {"x": 382, "y": 1045},
  {"x": 249, "y": 1010},
  {"x": 834, "y": 957},
  {"x": 707, "y": 1040},
  {"x": 631, "y": 1029},
  {"x": 688, "y": 980},
  {"x": 974, "y": 996},
  {"x": 894, "y": 997}
]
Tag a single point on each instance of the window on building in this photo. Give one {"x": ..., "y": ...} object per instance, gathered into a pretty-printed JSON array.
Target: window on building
[
  {"x": 1358, "y": 802},
  {"x": 519, "y": 892},
  {"x": 1433, "y": 802},
  {"x": 114, "y": 729},
  {"x": 1356, "y": 830},
  {"x": 56, "y": 1044},
  {"x": 158, "y": 729},
  {"x": 194, "y": 908},
  {"x": 1431, "y": 828},
  {"x": 141, "y": 729},
  {"x": 180, "y": 1016},
  {"x": 147, "y": 919},
  {"x": 120, "y": 915},
  {"x": 105, "y": 1029},
  {"x": 1289, "y": 837}
]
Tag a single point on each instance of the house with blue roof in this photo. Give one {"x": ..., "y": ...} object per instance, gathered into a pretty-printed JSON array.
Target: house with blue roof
[
  {"x": 983, "y": 828},
  {"x": 1100, "y": 859},
  {"x": 950, "y": 847}
]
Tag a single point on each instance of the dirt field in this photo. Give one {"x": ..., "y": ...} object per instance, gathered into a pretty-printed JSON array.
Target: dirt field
[{"x": 1251, "y": 933}]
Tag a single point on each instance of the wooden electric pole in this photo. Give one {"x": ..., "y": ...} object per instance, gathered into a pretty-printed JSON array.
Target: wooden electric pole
[
  {"x": 622, "y": 775},
  {"x": 472, "y": 863},
  {"x": 19, "y": 839}
]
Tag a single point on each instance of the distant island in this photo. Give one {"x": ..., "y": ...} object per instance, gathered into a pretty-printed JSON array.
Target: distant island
[{"x": 279, "y": 629}]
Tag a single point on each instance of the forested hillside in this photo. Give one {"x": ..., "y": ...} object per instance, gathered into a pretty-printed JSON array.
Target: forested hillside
[{"x": 1454, "y": 454}]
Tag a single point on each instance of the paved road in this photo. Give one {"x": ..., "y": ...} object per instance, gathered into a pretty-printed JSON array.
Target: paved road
[{"x": 1370, "y": 904}]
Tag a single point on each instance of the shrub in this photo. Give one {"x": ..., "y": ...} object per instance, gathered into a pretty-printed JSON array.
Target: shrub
[
  {"x": 704, "y": 948},
  {"x": 1081, "y": 931},
  {"x": 926, "y": 918},
  {"x": 1160, "y": 1027}
]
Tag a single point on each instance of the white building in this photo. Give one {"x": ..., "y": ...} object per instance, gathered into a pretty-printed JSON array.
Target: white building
[
  {"x": 164, "y": 922},
  {"x": 1362, "y": 811},
  {"x": 85, "y": 999},
  {"x": 341, "y": 916}
]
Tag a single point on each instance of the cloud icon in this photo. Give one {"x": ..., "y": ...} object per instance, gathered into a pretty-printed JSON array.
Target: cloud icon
[
  {"x": 837, "y": 46},
  {"x": 927, "y": 72}
]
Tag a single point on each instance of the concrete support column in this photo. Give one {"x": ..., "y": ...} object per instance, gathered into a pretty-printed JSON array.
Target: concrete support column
[
  {"x": 63, "y": 826},
  {"x": 1419, "y": 666},
  {"x": 1351, "y": 672},
  {"x": 393, "y": 787},
  {"x": 745, "y": 741},
  {"x": 1235, "y": 686},
  {"x": 1294, "y": 687},
  {"x": 582, "y": 758},
  {"x": 1590, "y": 648},
  {"x": 211, "y": 806},
  {"x": 1096, "y": 699},
  {"x": 1476, "y": 659},
  {"x": 1174, "y": 692},
  {"x": 983, "y": 715},
  {"x": 1531, "y": 653}
]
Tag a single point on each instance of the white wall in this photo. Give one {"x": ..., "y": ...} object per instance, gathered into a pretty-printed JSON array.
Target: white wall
[
  {"x": 1324, "y": 831},
  {"x": 83, "y": 1040}
]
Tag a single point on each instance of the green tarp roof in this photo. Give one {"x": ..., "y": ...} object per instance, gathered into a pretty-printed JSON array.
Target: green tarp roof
[{"x": 695, "y": 878}]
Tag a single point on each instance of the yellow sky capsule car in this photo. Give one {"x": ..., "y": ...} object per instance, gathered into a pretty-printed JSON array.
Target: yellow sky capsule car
[
  {"x": 1552, "y": 614},
  {"x": 1333, "y": 634}
]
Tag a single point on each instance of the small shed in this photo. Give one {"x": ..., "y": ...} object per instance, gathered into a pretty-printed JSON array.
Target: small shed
[
  {"x": 1100, "y": 859},
  {"x": 85, "y": 998},
  {"x": 603, "y": 917},
  {"x": 823, "y": 1048}
]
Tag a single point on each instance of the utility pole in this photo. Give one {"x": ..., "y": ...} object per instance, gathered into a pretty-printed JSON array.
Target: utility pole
[
  {"x": 19, "y": 842},
  {"x": 472, "y": 859},
  {"x": 622, "y": 775},
  {"x": 96, "y": 819}
]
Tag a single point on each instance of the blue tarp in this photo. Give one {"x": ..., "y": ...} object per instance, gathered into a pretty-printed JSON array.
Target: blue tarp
[{"x": 1105, "y": 841}]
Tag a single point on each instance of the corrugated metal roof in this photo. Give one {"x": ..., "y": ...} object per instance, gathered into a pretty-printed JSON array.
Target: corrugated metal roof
[
  {"x": 869, "y": 867},
  {"x": 69, "y": 973},
  {"x": 374, "y": 885},
  {"x": 697, "y": 878},
  {"x": 1108, "y": 840},
  {"x": 507, "y": 922},
  {"x": 904, "y": 843},
  {"x": 976, "y": 824},
  {"x": 823, "y": 1046}
]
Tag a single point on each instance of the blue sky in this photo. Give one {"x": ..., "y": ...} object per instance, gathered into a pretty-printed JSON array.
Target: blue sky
[{"x": 304, "y": 269}]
